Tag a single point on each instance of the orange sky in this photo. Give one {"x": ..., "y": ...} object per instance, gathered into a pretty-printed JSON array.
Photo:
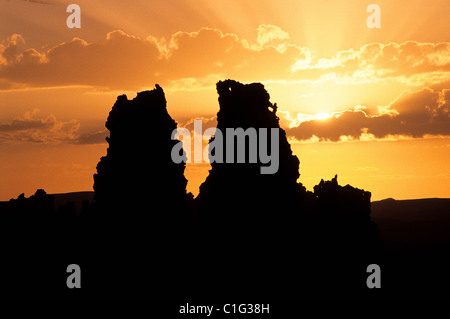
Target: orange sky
[{"x": 383, "y": 95}]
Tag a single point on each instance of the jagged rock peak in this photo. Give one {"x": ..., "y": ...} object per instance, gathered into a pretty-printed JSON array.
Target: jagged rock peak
[{"x": 245, "y": 101}]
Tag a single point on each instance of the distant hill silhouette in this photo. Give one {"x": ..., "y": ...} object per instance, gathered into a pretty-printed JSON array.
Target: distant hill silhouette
[
  {"x": 415, "y": 237},
  {"x": 411, "y": 222},
  {"x": 43, "y": 205}
]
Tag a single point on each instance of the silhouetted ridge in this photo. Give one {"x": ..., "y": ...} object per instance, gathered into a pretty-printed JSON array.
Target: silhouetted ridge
[
  {"x": 37, "y": 207},
  {"x": 137, "y": 176}
]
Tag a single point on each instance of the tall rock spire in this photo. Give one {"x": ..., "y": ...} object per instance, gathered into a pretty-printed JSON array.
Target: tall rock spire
[
  {"x": 239, "y": 190},
  {"x": 137, "y": 176}
]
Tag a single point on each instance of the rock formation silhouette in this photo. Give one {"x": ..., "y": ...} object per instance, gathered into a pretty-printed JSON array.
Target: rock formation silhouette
[
  {"x": 238, "y": 192},
  {"x": 289, "y": 231},
  {"x": 137, "y": 178},
  {"x": 141, "y": 205},
  {"x": 246, "y": 233},
  {"x": 344, "y": 214}
]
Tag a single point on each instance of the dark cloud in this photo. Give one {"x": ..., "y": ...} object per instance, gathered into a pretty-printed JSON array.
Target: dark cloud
[
  {"x": 23, "y": 124},
  {"x": 92, "y": 138},
  {"x": 425, "y": 112},
  {"x": 49, "y": 130}
]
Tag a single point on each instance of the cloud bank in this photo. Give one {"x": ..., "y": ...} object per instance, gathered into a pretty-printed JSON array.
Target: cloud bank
[
  {"x": 48, "y": 130},
  {"x": 189, "y": 60},
  {"x": 123, "y": 61},
  {"x": 126, "y": 62},
  {"x": 416, "y": 114}
]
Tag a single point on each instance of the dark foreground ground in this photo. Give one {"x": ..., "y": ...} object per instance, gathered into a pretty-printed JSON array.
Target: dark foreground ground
[
  {"x": 415, "y": 237},
  {"x": 124, "y": 262}
]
